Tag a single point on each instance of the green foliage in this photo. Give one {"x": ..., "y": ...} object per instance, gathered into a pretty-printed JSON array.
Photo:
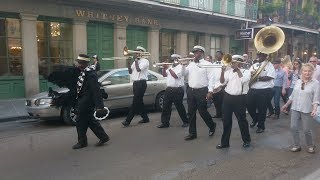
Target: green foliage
[{"x": 270, "y": 8}]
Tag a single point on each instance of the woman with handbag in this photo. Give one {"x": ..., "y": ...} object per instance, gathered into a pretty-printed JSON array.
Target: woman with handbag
[{"x": 305, "y": 101}]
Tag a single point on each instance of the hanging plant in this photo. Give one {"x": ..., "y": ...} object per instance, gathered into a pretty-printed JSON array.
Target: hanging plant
[{"x": 270, "y": 8}]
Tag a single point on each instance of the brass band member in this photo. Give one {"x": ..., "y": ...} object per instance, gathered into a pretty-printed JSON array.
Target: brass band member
[
  {"x": 234, "y": 101},
  {"x": 174, "y": 92},
  {"x": 139, "y": 75},
  {"x": 259, "y": 92},
  {"x": 200, "y": 89},
  {"x": 217, "y": 97}
]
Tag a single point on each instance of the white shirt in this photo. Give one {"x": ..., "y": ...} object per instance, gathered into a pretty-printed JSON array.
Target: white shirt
[
  {"x": 268, "y": 71},
  {"x": 200, "y": 77},
  {"x": 316, "y": 73},
  {"x": 143, "y": 74},
  {"x": 303, "y": 100},
  {"x": 173, "y": 82},
  {"x": 235, "y": 84}
]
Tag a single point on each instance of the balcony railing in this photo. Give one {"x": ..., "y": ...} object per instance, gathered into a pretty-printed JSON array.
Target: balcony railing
[
  {"x": 290, "y": 16},
  {"x": 238, "y": 8}
]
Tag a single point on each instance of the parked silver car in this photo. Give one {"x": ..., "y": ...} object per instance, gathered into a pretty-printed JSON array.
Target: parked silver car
[{"x": 116, "y": 83}]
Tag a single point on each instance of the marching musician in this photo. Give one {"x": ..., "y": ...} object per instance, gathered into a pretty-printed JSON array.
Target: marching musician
[
  {"x": 88, "y": 99},
  {"x": 234, "y": 101},
  {"x": 200, "y": 89},
  {"x": 217, "y": 97},
  {"x": 174, "y": 92},
  {"x": 259, "y": 92},
  {"x": 139, "y": 75}
]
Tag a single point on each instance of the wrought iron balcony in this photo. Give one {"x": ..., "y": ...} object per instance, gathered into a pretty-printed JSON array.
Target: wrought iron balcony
[
  {"x": 237, "y": 8},
  {"x": 291, "y": 16}
]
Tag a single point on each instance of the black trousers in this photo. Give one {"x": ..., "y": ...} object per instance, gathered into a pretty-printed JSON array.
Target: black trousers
[
  {"x": 257, "y": 99},
  {"x": 86, "y": 120},
  {"x": 197, "y": 101},
  {"x": 137, "y": 107},
  {"x": 217, "y": 99},
  {"x": 270, "y": 107},
  {"x": 237, "y": 105},
  {"x": 173, "y": 95}
]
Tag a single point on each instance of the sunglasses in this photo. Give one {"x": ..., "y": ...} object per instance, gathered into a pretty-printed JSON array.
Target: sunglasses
[
  {"x": 302, "y": 86},
  {"x": 295, "y": 63}
]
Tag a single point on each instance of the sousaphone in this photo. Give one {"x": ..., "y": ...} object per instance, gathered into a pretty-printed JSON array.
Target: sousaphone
[{"x": 268, "y": 40}]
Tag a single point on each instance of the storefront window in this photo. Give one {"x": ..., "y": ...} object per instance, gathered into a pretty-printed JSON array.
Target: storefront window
[
  {"x": 10, "y": 47},
  {"x": 54, "y": 45},
  {"x": 215, "y": 45},
  {"x": 168, "y": 41}
]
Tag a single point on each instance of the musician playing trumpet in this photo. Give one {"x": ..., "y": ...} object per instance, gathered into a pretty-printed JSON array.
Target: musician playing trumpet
[
  {"x": 236, "y": 81},
  {"x": 174, "y": 92}
]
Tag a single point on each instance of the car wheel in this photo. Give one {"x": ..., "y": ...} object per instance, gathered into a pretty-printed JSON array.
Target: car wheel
[
  {"x": 159, "y": 101},
  {"x": 68, "y": 115}
]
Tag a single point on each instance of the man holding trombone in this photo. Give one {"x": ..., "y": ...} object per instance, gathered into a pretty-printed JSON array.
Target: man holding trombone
[
  {"x": 139, "y": 75},
  {"x": 174, "y": 92}
]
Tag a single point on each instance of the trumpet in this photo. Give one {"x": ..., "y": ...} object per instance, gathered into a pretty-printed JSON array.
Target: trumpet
[
  {"x": 127, "y": 52},
  {"x": 114, "y": 58}
]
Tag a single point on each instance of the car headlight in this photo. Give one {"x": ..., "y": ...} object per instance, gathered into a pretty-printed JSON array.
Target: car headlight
[{"x": 43, "y": 101}]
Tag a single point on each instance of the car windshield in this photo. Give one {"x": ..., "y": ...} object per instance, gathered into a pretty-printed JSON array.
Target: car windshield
[{"x": 102, "y": 72}]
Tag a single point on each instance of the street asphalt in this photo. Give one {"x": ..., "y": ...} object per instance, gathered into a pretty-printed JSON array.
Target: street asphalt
[
  {"x": 12, "y": 109},
  {"x": 39, "y": 150}
]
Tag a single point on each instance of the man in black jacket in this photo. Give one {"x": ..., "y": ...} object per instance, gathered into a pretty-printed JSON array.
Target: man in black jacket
[{"x": 88, "y": 100}]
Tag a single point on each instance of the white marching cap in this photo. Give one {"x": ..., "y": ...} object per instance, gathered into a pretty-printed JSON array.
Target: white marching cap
[
  {"x": 175, "y": 56},
  {"x": 140, "y": 48},
  {"x": 237, "y": 57},
  {"x": 198, "y": 48}
]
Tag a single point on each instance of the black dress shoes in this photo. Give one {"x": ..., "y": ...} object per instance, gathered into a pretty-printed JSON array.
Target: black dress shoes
[
  {"x": 246, "y": 145},
  {"x": 185, "y": 125},
  {"x": 162, "y": 126},
  {"x": 143, "y": 121},
  {"x": 259, "y": 130},
  {"x": 220, "y": 146},
  {"x": 125, "y": 123},
  {"x": 79, "y": 145},
  {"x": 269, "y": 115},
  {"x": 102, "y": 141},
  {"x": 253, "y": 124},
  {"x": 190, "y": 137},
  {"x": 211, "y": 131}
]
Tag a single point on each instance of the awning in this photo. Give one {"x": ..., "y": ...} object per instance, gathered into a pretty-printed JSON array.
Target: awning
[{"x": 287, "y": 26}]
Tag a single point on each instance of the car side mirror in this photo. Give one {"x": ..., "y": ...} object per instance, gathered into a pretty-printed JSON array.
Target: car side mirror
[{"x": 104, "y": 83}]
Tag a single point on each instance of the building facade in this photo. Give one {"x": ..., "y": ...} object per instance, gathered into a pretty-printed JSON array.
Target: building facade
[{"x": 37, "y": 35}]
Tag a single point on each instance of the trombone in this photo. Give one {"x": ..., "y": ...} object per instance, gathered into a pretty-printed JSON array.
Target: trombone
[
  {"x": 127, "y": 54},
  {"x": 182, "y": 61}
]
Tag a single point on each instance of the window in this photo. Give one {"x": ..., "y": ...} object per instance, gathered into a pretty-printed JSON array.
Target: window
[
  {"x": 215, "y": 45},
  {"x": 120, "y": 77},
  {"x": 168, "y": 42},
  {"x": 195, "y": 39},
  {"x": 152, "y": 77},
  {"x": 54, "y": 45},
  {"x": 10, "y": 47}
]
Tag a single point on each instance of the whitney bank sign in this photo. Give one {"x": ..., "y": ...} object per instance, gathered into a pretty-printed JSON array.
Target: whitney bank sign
[{"x": 97, "y": 15}]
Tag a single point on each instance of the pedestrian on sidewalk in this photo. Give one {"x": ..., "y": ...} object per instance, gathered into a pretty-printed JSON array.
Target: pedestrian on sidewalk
[{"x": 304, "y": 100}]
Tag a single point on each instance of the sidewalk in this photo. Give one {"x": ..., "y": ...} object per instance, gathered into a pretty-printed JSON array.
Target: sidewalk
[{"x": 12, "y": 109}]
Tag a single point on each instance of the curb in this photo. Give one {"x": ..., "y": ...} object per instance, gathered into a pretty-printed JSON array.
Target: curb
[{"x": 8, "y": 119}]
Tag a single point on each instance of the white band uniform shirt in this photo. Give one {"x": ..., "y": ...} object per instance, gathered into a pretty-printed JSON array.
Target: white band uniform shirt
[
  {"x": 200, "y": 77},
  {"x": 173, "y": 82},
  {"x": 143, "y": 74},
  {"x": 303, "y": 100},
  {"x": 235, "y": 84},
  {"x": 267, "y": 71}
]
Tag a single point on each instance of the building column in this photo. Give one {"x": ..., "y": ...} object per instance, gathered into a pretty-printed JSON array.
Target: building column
[
  {"x": 30, "y": 54},
  {"x": 182, "y": 44},
  {"x": 79, "y": 38},
  {"x": 120, "y": 41},
  {"x": 207, "y": 44},
  {"x": 225, "y": 44},
  {"x": 153, "y": 45}
]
